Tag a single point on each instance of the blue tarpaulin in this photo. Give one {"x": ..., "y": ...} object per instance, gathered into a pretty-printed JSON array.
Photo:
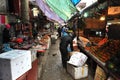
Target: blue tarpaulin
[{"x": 75, "y": 2}]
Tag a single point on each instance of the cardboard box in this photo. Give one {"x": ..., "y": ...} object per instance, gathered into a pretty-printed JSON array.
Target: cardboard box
[
  {"x": 14, "y": 63},
  {"x": 77, "y": 72},
  {"x": 100, "y": 74}
]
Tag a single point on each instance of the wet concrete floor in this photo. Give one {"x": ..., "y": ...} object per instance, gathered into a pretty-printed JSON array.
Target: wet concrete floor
[{"x": 53, "y": 70}]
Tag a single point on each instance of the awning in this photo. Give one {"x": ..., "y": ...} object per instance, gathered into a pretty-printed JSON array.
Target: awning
[
  {"x": 48, "y": 12},
  {"x": 63, "y": 8}
]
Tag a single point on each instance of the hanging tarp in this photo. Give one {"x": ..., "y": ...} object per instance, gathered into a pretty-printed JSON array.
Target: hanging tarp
[
  {"x": 64, "y": 8},
  {"x": 75, "y": 2},
  {"x": 50, "y": 14}
]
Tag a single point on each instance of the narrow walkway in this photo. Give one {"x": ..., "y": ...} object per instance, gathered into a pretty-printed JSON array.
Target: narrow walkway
[{"x": 53, "y": 70}]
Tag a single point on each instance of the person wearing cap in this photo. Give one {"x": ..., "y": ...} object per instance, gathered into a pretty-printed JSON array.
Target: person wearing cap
[
  {"x": 66, "y": 41},
  {"x": 6, "y": 38},
  {"x": 6, "y": 35}
]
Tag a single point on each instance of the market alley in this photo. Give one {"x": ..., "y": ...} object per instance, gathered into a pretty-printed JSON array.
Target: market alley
[{"x": 53, "y": 69}]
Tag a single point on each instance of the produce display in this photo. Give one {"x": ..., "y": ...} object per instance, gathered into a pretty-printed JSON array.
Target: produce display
[
  {"x": 106, "y": 50},
  {"x": 42, "y": 43}
]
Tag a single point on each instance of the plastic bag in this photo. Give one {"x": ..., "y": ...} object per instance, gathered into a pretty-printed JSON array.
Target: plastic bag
[
  {"x": 78, "y": 59},
  {"x": 68, "y": 48}
]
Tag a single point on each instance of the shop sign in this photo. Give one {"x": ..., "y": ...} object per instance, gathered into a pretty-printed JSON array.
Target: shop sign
[
  {"x": 113, "y": 10},
  {"x": 84, "y": 4}
]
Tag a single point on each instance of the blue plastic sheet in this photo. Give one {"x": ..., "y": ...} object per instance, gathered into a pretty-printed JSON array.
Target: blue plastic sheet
[{"x": 75, "y": 2}]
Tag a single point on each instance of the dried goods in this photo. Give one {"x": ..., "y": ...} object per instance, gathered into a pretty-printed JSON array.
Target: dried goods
[{"x": 106, "y": 50}]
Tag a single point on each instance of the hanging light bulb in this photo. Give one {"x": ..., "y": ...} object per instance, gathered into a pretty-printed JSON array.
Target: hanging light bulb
[
  {"x": 85, "y": 14},
  {"x": 35, "y": 11},
  {"x": 102, "y": 18}
]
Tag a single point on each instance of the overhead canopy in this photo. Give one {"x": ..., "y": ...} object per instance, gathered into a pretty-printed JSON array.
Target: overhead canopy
[
  {"x": 49, "y": 13},
  {"x": 63, "y": 8}
]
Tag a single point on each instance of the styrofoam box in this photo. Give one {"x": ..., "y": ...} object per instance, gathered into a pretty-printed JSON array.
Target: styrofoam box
[
  {"x": 33, "y": 54},
  {"x": 77, "y": 72},
  {"x": 48, "y": 43},
  {"x": 54, "y": 36},
  {"x": 14, "y": 63}
]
